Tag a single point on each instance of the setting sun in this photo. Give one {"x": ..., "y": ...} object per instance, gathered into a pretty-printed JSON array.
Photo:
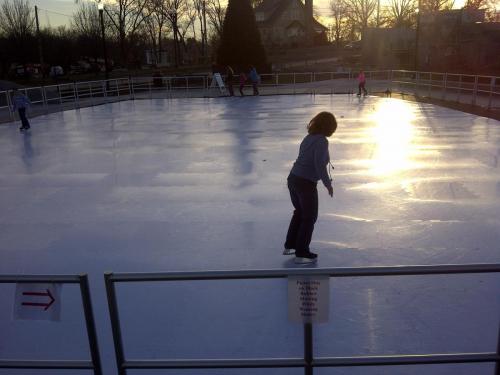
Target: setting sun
[{"x": 393, "y": 136}]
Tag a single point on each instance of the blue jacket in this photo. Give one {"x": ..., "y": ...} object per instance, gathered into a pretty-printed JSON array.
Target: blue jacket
[
  {"x": 20, "y": 101},
  {"x": 313, "y": 159},
  {"x": 254, "y": 77}
]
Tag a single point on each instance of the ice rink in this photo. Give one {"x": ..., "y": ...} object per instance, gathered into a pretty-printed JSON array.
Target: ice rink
[{"x": 200, "y": 184}]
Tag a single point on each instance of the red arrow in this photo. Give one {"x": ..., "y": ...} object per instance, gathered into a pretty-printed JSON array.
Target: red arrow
[{"x": 43, "y": 294}]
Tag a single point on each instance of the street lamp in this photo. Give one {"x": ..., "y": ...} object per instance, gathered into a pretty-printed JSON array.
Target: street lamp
[
  {"x": 417, "y": 35},
  {"x": 100, "y": 7}
]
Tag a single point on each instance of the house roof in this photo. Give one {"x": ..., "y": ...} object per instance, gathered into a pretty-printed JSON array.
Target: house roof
[
  {"x": 272, "y": 9},
  {"x": 268, "y": 6},
  {"x": 296, "y": 24}
]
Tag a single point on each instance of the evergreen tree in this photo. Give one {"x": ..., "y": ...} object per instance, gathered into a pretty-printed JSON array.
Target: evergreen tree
[{"x": 240, "y": 44}]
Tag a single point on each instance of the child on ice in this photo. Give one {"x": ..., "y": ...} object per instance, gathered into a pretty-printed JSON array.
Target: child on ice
[
  {"x": 20, "y": 103},
  {"x": 310, "y": 166}
]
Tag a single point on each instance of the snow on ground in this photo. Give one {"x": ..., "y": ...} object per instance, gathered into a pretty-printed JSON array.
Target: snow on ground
[{"x": 200, "y": 184}]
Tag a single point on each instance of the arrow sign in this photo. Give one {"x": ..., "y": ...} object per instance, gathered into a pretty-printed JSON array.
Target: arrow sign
[
  {"x": 43, "y": 294},
  {"x": 37, "y": 302}
]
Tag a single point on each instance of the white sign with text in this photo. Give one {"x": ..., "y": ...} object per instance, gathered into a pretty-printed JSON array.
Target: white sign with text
[
  {"x": 217, "y": 82},
  {"x": 308, "y": 299},
  {"x": 37, "y": 302}
]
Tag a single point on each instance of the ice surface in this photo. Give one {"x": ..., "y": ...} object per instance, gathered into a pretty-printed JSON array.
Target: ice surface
[{"x": 200, "y": 184}]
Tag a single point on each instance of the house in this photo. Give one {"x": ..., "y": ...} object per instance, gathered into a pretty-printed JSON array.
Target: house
[
  {"x": 388, "y": 48},
  {"x": 288, "y": 23},
  {"x": 458, "y": 40}
]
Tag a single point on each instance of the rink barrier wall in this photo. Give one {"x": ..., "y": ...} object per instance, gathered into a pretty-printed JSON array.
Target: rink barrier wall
[
  {"x": 95, "y": 362},
  {"x": 308, "y": 362},
  {"x": 476, "y": 90}
]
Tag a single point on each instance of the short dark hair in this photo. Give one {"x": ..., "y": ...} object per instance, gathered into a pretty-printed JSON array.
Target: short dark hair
[{"x": 323, "y": 123}]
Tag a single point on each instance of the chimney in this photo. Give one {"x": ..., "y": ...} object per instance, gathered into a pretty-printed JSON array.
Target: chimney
[
  {"x": 308, "y": 9},
  {"x": 308, "y": 13}
]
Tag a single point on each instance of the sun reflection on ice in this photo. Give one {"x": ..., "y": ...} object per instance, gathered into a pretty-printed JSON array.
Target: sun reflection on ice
[{"x": 393, "y": 135}]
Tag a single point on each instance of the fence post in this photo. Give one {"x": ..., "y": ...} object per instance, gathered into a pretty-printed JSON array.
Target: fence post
[
  {"x": 89, "y": 320},
  {"x": 492, "y": 87},
  {"x": 74, "y": 95},
  {"x": 308, "y": 349},
  {"x": 445, "y": 81},
  {"x": 294, "y": 83},
  {"x": 9, "y": 104},
  {"x": 429, "y": 85},
  {"x": 474, "y": 90},
  {"x": 497, "y": 364},
  {"x": 115, "y": 322},
  {"x": 91, "y": 94},
  {"x": 77, "y": 95},
  {"x": 417, "y": 83},
  {"x": 131, "y": 87},
  {"x": 459, "y": 87},
  {"x": 44, "y": 100}
]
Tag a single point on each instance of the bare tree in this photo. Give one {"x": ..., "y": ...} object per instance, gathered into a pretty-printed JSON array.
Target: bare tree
[
  {"x": 339, "y": 25},
  {"x": 186, "y": 22},
  {"x": 488, "y": 5},
  {"x": 174, "y": 10},
  {"x": 435, "y": 5},
  {"x": 360, "y": 14},
  {"x": 126, "y": 17},
  {"x": 216, "y": 13},
  {"x": 17, "y": 18},
  {"x": 401, "y": 13},
  {"x": 256, "y": 3},
  {"x": 156, "y": 25},
  {"x": 86, "y": 21},
  {"x": 201, "y": 11}
]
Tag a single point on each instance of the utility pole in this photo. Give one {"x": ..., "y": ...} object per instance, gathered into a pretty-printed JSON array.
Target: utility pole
[
  {"x": 39, "y": 38},
  {"x": 100, "y": 6},
  {"x": 204, "y": 36},
  {"x": 417, "y": 35},
  {"x": 378, "y": 14}
]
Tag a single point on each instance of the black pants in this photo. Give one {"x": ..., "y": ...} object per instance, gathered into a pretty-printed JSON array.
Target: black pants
[
  {"x": 362, "y": 86},
  {"x": 229, "y": 84},
  {"x": 22, "y": 116},
  {"x": 304, "y": 196},
  {"x": 255, "y": 88}
]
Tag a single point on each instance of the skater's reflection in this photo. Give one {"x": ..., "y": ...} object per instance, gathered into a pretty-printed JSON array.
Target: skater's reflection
[{"x": 27, "y": 154}]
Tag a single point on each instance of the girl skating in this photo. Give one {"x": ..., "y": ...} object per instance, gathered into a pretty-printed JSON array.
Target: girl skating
[{"x": 310, "y": 166}]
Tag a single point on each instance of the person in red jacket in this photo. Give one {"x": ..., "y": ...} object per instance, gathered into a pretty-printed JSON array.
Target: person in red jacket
[
  {"x": 243, "y": 80},
  {"x": 361, "y": 83}
]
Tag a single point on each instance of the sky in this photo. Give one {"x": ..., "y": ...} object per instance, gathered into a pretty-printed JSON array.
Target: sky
[{"x": 58, "y": 12}]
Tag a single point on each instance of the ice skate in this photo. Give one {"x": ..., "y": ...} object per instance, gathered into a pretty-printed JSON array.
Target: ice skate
[
  {"x": 287, "y": 251},
  {"x": 306, "y": 258}
]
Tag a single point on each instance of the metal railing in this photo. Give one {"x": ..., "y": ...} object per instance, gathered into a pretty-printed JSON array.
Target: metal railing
[
  {"x": 95, "y": 362},
  {"x": 308, "y": 362},
  {"x": 481, "y": 91}
]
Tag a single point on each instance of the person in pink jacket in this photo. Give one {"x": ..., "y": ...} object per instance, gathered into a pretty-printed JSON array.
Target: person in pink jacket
[{"x": 361, "y": 83}]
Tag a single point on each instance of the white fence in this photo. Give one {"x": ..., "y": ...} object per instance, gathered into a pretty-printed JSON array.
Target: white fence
[{"x": 483, "y": 91}]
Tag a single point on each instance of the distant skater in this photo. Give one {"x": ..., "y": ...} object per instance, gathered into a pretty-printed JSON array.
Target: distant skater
[
  {"x": 243, "y": 80},
  {"x": 20, "y": 103},
  {"x": 229, "y": 80},
  {"x": 310, "y": 166},
  {"x": 361, "y": 83},
  {"x": 254, "y": 77}
]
